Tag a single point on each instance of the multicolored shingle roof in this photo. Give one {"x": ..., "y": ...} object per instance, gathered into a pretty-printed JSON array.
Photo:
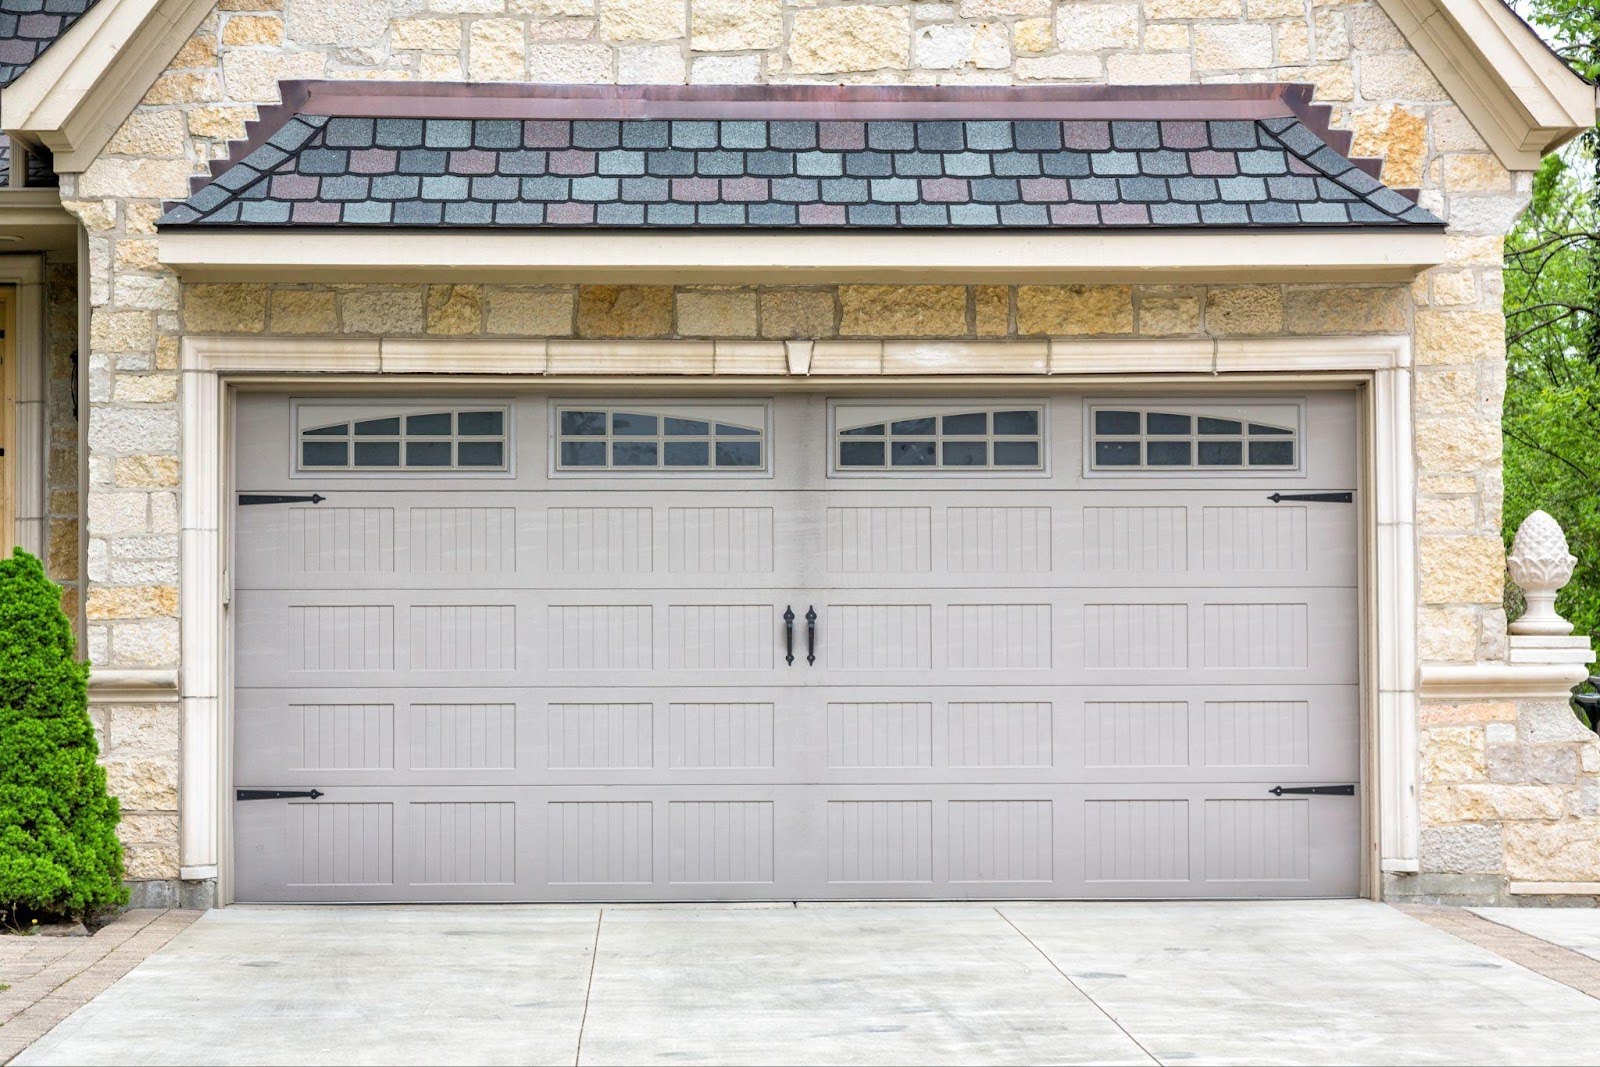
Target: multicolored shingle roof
[
  {"x": 28, "y": 27},
  {"x": 856, "y": 158}
]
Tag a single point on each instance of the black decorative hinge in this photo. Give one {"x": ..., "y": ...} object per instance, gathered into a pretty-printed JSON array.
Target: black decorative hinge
[
  {"x": 1322, "y": 498},
  {"x": 1314, "y": 790},
  {"x": 275, "y": 794},
  {"x": 277, "y": 498}
]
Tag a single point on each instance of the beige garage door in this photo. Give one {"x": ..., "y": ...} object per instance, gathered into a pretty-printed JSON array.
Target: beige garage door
[{"x": 632, "y": 648}]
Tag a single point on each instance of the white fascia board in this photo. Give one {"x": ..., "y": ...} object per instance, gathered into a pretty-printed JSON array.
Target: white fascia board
[
  {"x": 75, "y": 95},
  {"x": 254, "y": 255},
  {"x": 1520, "y": 97}
]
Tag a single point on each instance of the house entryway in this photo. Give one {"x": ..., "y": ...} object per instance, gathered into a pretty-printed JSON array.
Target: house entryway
[{"x": 511, "y": 647}]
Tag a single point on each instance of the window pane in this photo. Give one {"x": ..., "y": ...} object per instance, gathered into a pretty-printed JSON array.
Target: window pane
[
  {"x": 1161, "y": 422},
  {"x": 860, "y": 453},
  {"x": 633, "y": 453},
  {"x": 976, "y": 422},
  {"x": 687, "y": 428},
  {"x": 583, "y": 454},
  {"x": 1168, "y": 453},
  {"x": 437, "y": 423},
  {"x": 628, "y": 424},
  {"x": 1259, "y": 428},
  {"x": 1016, "y": 422},
  {"x": 688, "y": 453},
  {"x": 1116, "y": 453},
  {"x": 378, "y": 428},
  {"x": 323, "y": 453},
  {"x": 377, "y": 453},
  {"x": 725, "y": 430},
  {"x": 875, "y": 430},
  {"x": 1271, "y": 453},
  {"x": 480, "y": 423},
  {"x": 738, "y": 453},
  {"x": 480, "y": 454},
  {"x": 1220, "y": 426},
  {"x": 428, "y": 453},
  {"x": 1221, "y": 453},
  {"x": 1116, "y": 422},
  {"x": 911, "y": 454},
  {"x": 583, "y": 423},
  {"x": 328, "y": 431},
  {"x": 922, "y": 427},
  {"x": 966, "y": 453},
  {"x": 1016, "y": 453}
]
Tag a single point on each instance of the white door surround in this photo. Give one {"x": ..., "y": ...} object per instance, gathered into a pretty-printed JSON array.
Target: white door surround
[{"x": 214, "y": 366}]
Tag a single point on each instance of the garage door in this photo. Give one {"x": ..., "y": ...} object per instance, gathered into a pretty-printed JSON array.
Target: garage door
[{"x": 626, "y": 648}]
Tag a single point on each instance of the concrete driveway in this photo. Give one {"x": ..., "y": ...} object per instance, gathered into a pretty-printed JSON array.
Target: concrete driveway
[{"x": 1325, "y": 982}]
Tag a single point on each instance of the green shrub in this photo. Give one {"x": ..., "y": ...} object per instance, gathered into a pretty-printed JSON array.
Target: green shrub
[{"x": 59, "y": 853}]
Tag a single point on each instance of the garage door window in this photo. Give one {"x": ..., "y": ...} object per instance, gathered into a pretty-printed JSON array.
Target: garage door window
[
  {"x": 456, "y": 439},
  {"x": 719, "y": 438},
  {"x": 1006, "y": 438},
  {"x": 1209, "y": 439}
]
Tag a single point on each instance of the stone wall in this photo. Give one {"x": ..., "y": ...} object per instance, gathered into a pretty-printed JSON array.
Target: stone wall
[
  {"x": 61, "y": 429},
  {"x": 1350, "y": 51}
]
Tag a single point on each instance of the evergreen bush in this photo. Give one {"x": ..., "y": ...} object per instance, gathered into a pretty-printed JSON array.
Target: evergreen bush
[{"x": 59, "y": 853}]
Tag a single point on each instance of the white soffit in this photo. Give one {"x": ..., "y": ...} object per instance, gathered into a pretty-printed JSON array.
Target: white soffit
[{"x": 1103, "y": 256}]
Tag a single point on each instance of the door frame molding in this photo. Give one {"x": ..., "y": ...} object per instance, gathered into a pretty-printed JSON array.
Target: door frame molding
[
  {"x": 212, "y": 367},
  {"x": 22, "y": 431}
]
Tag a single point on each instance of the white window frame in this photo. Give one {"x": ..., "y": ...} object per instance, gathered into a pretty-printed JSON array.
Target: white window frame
[
  {"x": 309, "y": 412},
  {"x": 1265, "y": 410},
  {"x": 890, "y": 410},
  {"x": 738, "y": 412}
]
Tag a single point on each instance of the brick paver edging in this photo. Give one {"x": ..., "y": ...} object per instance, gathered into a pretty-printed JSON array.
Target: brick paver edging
[
  {"x": 1572, "y": 969},
  {"x": 52, "y": 977}
]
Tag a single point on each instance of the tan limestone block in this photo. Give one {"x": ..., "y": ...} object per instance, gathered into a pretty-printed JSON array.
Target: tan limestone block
[
  {"x": 1034, "y": 35},
  {"x": 146, "y": 862},
  {"x": 438, "y": 35},
  {"x": 1346, "y": 310},
  {"x": 1166, "y": 37},
  {"x": 992, "y": 310},
  {"x": 1232, "y": 46},
  {"x": 432, "y": 66},
  {"x": 1444, "y": 484},
  {"x": 1074, "y": 310},
  {"x": 145, "y": 472},
  {"x": 131, "y": 601},
  {"x": 1396, "y": 135},
  {"x": 716, "y": 313},
  {"x": 225, "y": 308},
  {"x": 1192, "y": 9},
  {"x": 1464, "y": 336},
  {"x": 1447, "y": 635},
  {"x": 578, "y": 63},
  {"x": 856, "y": 37},
  {"x": 1453, "y": 287},
  {"x": 1332, "y": 82},
  {"x": 1589, "y": 757},
  {"x": 995, "y": 9},
  {"x": 984, "y": 46},
  {"x": 1478, "y": 802},
  {"x": 1134, "y": 68},
  {"x": 651, "y": 64},
  {"x": 1446, "y": 513},
  {"x": 641, "y": 20},
  {"x": 94, "y": 214},
  {"x": 1446, "y": 390},
  {"x": 381, "y": 311},
  {"x": 625, "y": 311},
  {"x": 137, "y": 254},
  {"x": 530, "y": 313},
  {"x": 1453, "y": 754},
  {"x": 185, "y": 87},
  {"x": 455, "y": 310},
  {"x": 1250, "y": 309},
  {"x": 200, "y": 50},
  {"x": 255, "y": 75},
  {"x": 1398, "y": 76},
  {"x": 1567, "y": 851},
  {"x": 1452, "y": 132},
  {"x": 252, "y": 29},
  {"x": 250, "y": 5},
  {"x": 121, "y": 331},
  {"x": 1294, "y": 43},
  {"x": 1461, "y": 570},
  {"x": 141, "y": 218},
  {"x": 735, "y": 25},
  {"x": 497, "y": 50},
  {"x": 149, "y": 831},
  {"x": 144, "y": 784},
  {"x": 1059, "y": 68},
  {"x": 1333, "y": 39},
  {"x": 1474, "y": 172},
  {"x": 797, "y": 313},
  {"x": 1097, "y": 27},
  {"x": 561, "y": 30},
  {"x": 166, "y": 352},
  {"x": 62, "y": 557},
  {"x": 1275, "y": 9},
  {"x": 158, "y": 134},
  {"x": 153, "y": 179},
  {"x": 304, "y": 311},
  {"x": 145, "y": 388},
  {"x": 1371, "y": 30},
  {"x": 903, "y": 310},
  {"x": 1169, "y": 312},
  {"x": 551, "y": 8},
  {"x": 1472, "y": 714}
]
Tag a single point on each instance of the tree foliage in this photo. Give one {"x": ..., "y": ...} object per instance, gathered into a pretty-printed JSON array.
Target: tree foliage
[{"x": 59, "y": 853}]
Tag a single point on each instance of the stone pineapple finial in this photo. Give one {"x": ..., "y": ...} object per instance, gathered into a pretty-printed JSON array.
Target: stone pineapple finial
[{"x": 1540, "y": 564}]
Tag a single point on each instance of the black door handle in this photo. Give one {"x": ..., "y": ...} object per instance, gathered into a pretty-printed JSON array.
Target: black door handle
[
  {"x": 811, "y": 635},
  {"x": 1314, "y": 790},
  {"x": 788, "y": 634},
  {"x": 276, "y": 794}
]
